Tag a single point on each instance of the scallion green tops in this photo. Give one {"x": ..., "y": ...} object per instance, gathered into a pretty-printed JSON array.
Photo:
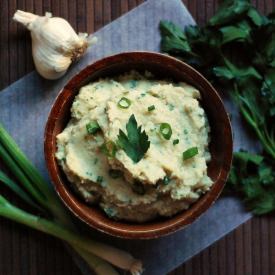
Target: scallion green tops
[
  {"x": 165, "y": 130},
  {"x": 92, "y": 127},
  {"x": 151, "y": 108},
  {"x": 124, "y": 103}
]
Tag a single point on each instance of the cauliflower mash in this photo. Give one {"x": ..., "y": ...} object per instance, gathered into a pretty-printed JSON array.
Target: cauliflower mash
[{"x": 136, "y": 146}]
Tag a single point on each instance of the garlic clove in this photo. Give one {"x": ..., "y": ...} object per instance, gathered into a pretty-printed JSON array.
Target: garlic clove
[
  {"x": 55, "y": 44},
  {"x": 50, "y": 66}
]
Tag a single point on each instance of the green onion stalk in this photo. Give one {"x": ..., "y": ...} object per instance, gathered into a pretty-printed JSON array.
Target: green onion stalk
[{"x": 35, "y": 191}]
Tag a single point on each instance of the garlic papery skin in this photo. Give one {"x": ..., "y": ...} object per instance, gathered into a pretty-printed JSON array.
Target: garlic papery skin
[{"x": 55, "y": 44}]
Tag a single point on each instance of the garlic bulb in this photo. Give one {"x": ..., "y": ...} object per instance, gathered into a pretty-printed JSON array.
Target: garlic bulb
[{"x": 55, "y": 44}]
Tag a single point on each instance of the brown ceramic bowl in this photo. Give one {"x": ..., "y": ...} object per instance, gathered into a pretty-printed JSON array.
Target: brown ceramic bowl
[{"x": 163, "y": 67}]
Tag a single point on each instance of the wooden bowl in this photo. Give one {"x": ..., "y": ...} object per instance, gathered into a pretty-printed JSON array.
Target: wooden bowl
[{"x": 162, "y": 66}]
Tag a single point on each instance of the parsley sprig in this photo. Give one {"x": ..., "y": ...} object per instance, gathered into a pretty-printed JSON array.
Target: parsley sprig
[
  {"x": 253, "y": 177},
  {"x": 236, "y": 50},
  {"x": 136, "y": 143}
]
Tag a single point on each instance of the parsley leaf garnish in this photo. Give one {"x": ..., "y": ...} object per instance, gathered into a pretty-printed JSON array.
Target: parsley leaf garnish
[{"x": 136, "y": 143}]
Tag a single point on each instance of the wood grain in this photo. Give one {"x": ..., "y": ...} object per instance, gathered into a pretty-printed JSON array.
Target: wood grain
[{"x": 249, "y": 250}]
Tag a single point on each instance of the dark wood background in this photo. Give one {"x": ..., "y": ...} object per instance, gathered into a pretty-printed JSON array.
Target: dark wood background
[{"x": 249, "y": 250}]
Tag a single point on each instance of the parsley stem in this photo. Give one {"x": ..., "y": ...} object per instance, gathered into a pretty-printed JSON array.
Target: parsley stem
[{"x": 263, "y": 140}]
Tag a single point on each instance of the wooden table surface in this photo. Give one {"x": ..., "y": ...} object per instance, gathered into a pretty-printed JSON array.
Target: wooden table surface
[{"x": 249, "y": 250}]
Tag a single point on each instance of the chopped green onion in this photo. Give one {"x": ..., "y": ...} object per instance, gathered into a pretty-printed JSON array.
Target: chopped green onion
[
  {"x": 171, "y": 107},
  {"x": 92, "y": 127},
  {"x": 124, "y": 103},
  {"x": 115, "y": 174},
  {"x": 189, "y": 153},
  {"x": 166, "y": 180},
  {"x": 176, "y": 141},
  {"x": 133, "y": 84},
  {"x": 151, "y": 108},
  {"x": 110, "y": 212},
  {"x": 165, "y": 130}
]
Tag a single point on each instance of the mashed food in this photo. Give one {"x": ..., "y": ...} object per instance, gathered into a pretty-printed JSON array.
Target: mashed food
[{"x": 136, "y": 146}]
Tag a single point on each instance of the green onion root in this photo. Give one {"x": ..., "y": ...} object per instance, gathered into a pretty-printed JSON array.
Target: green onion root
[{"x": 99, "y": 266}]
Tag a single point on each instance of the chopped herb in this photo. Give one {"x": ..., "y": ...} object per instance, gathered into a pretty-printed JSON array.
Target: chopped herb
[
  {"x": 143, "y": 94},
  {"x": 165, "y": 130},
  {"x": 92, "y": 127},
  {"x": 171, "y": 107},
  {"x": 110, "y": 212},
  {"x": 99, "y": 179},
  {"x": 89, "y": 173},
  {"x": 124, "y": 103},
  {"x": 189, "y": 153},
  {"x": 176, "y": 141},
  {"x": 133, "y": 84},
  {"x": 98, "y": 86},
  {"x": 185, "y": 131},
  {"x": 109, "y": 149},
  {"x": 115, "y": 174},
  {"x": 136, "y": 143},
  {"x": 166, "y": 180},
  {"x": 151, "y": 108},
  {"x": 95, "y": 161}
]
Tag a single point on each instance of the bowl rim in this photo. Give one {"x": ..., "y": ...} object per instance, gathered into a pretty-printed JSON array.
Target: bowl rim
[{"x": 63, "y": 190}]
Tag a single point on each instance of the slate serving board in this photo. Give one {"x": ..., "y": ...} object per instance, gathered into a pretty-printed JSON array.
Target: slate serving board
[{"x": 24, "y": 107}]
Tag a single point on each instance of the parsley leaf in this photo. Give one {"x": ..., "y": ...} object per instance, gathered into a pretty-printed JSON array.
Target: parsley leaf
[
  {"x": 136, "y": 143},
  {"x": 253, "y": 177},
  {"x": 235, "y": 50}
]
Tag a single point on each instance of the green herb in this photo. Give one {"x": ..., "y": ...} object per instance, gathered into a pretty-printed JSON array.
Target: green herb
[
  {"x": 166, "y": 180},
  {"x": 235, "y": 50},
  {"x": 151, "y": 108},
  {"x": 124, "y": 103},
  {"x": 253, "y": 178},
  {"x": 171, "y": 107},
  {"x": 190, "y": 153},
  {"x": 110, "y": 212},
  {"x": 165, "y": 130},
  {"x": 136, "y": 143},
  {"x": 52, "y": 218},
  {"x": 109, "y": 149},
  {"x": 176, "y": 141},
  {"x": 99, "y": 179},
  {"x": 92, "y": 127},
  {"x": 133, "y": 84},
  {"x": 115, "y": 174}
]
